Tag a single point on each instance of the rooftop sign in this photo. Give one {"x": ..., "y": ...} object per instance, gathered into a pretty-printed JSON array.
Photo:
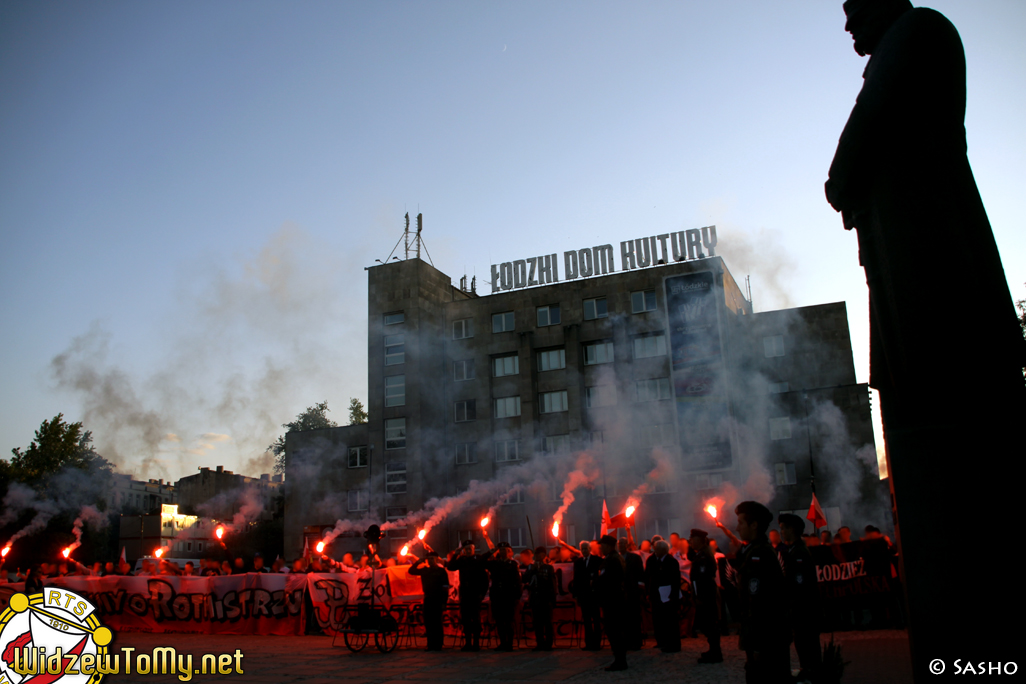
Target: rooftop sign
[{"x": 683, "y": 245}]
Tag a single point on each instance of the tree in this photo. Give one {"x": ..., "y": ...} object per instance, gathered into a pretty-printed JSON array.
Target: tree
[
  {"x": 57, "y": 447},
  {"x": 313, "y": 418},
  {"x": 357, "y": 413}
]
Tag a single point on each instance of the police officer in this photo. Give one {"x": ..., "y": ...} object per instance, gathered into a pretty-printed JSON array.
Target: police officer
[
  {"x": 610, "y": 592},
  {"x": 540, "y": 579},
  {"x": 634, "y": 587},
  {"x": 586, "y": 569},
  {"x": 707, "y": 595},
  {"x": 435, "y": 580},
  {"x": 662, "y": 580},
  {"x": 802, "y": 594},
  {"x": 473, "y": 585},
  {"x": 765, "y": 627},
  {"x": 505, "y": 591}
]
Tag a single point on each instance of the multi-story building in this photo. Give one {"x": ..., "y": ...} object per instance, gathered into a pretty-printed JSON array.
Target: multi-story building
[
  {"x": 220, "y": 493},
  {"x": 141, "y": 496},
  {"x": 663, "y": 375}
]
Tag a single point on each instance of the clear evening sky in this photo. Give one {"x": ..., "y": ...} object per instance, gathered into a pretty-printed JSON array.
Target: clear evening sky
[{"x": 189, "y": 191}]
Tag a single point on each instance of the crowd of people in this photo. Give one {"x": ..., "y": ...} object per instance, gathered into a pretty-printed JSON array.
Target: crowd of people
[{"x": 766, "y": 579}]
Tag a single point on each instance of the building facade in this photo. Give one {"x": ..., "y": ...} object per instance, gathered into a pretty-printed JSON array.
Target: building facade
[
  {"x": 219, "y": 492},
  {"x": 662, "y": 376},
  {"x": 143, "y": 496}
]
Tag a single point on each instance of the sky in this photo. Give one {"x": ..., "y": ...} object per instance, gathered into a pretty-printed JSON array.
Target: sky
[{"x": 190, "y": 192}]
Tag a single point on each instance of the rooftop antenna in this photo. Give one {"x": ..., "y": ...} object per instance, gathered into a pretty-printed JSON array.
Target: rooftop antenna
[
  {"x": 406, "y": 237},
  {"x": 420, "y": 227}
]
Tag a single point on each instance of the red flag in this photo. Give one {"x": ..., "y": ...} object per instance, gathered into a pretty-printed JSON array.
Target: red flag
[
  {"x": 605, "y": 519},
  {"x": 306, "y": 547},
  {"x": 122, "y": 558},
  {"x": 816, "y": 514}
]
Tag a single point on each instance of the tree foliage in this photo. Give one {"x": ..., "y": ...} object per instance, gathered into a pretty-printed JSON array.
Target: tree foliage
[
  {"x": 313, "y": 418},
  {"x": 357, "y": 413},
  {"x": 57, "y": 446}
]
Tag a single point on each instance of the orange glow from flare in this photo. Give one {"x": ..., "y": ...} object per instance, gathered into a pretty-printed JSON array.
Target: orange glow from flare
[
  {"x": 320, "y": 547},
  {"x": 158, "y": 553},
  {"x": 555, "y": 529},
  {"x": 485, "y": 521},
  {"x": 422, "y": 534},
  {"x": 405, "y": 550},
  {"x": 66, "y": 552},
  {"x": 630, "y": 510},
  {"x": 219, "y": 532},
  {"x": 711, "y": 510},
  {"x": 6, "y": 550}
]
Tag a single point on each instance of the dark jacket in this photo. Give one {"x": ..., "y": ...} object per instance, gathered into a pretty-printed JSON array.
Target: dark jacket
[
  {"x": 540, "y": 580},
  {"x": 586, "y": 570},
  {"x": 800, "y": 580},
  {"x": 703, "y": 578},
  {"x": 473, "y": 577},
  {"x": 662, "y": 572},
  {"x": 634, "y": 575},
  {"x": 764, "y": 616},
  {"x": 610, "y": 581},
  {"x": 434, "y": 580},
  {"x": 506, "y": 584}
]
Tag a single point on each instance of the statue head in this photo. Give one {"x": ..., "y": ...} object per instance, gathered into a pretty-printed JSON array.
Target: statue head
[{"x": 868, "y": 21}]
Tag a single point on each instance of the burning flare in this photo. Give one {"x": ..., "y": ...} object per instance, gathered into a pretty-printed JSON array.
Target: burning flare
[
  {"x": 711, "y": 510},
  {"x": 630, "y": 511},
  {"x": 159, "y": 552},
  {"x": 66, "y": 552},
  {"x": 219, "y": 532},
  {"x": 405, "y": 550},
  {"x": 555, "y": 529},
  {"x": 320, "y": 547},
  {"x": 6, "y": 550},
  {"x": 484, "y": 521},
  {"x": 422, "y": 534}
]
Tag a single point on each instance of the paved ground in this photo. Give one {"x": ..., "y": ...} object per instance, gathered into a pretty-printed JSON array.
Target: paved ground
[{"x": 876, "y": 657}]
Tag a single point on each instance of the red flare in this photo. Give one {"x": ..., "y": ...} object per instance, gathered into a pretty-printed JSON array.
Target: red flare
[
  {"x": 555, "y": 529},
  {"x": 158, "y": 553},
  {"x": 421, "y": 534},
  {"x": 219, "y": 532},
  {"x": 711, "y": 510},
  {"x": 630, "y": 510},
  {"x": 320, "y": 547},
  {"x": 484, "y": 521},
  {"x": 405, "y": 550},
  {"x": 6, "y": 550},
  {"x": 66, "y": 552}
]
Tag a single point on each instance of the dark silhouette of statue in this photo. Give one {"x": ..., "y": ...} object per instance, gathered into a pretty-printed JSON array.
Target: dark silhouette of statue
[{"x": 946, "y": 351}]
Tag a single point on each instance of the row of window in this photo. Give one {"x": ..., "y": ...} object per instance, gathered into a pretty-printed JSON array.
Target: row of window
[{"x": 597, "y": 396}]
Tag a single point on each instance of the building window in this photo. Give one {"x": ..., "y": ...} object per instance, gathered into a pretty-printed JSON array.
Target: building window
[
  {"x": 553, "y": 359},
  {"x": 780, "y": 428},
  {"x": 199, "y": 546},
  {"x": 556, "y": 444},
  {"x": 463, "y": 329},
  {"x": 773, "y": 346},
  {"x": 785, "y": 474},
  {"x": 395, "y": 350},
  {"x": 514, "y": 536},
  {"x": 600, "y": 395},
  {"x": 502, "y": 322},
  {"x": 548, "y": 315},
  {"x": 466, "y": 453},
  {"x": 514, "y": 497},
  {"x": 657, "y": 435},
  {"x": 392, "y": 515},
  {"x": 649, "y": 345},
  {"x": 395, "y": 433},
  {"x": 598, "y": 352},
  {"x": 643, "y": 301},
  {"x": 595, "y": 308},
  {"x": 507, "y": 407},
  {"x": 553, "y": 402},
  {"x": 467, "y": 535},
  {"x": 778, "y": 387},
  {"x": 463, "y": 370},
  {"x": 654, "y": 389},
  {"x": 597, "y": 437},
  {"x": 358, "y": 499},
  {"x": 705, "y": 481},
  {"x": 359, "y": 457},
  {"x": 508, "y": 364},
  {"x": 394, "y": 317},
  {"x": 395, "y": 390},
  {"x": 507, "y": 450},
  {"x": 395, "y": 477},
  {"x": 466, "y": 410}
]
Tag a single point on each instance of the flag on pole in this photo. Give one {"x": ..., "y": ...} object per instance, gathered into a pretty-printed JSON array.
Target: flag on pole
[
  {"x": 816, "y": 514},
  {"x": 122, "y": 558},
  {"x": 605, "y": 519},
  {"x": 306, "y": 547}
]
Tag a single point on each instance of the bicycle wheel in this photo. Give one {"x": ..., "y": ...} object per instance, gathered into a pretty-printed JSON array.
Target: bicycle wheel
[
  {"x": 356, "y": 642},
  {"x": 386, "y": 641}
]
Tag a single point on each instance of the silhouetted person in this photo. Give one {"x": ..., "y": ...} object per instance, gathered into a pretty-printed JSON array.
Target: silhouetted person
[
  {"x": 610, "y": 593},
  {"x": 435, "y": 581},
  {"x": 765, "y": 633},
  {"x": 662, "y": 580},
  {"x": 540, "y": 579},
  {"x": 938, "y": 299},
  {"x": 473, "y": 585},
  {"x": 586, "y": 569},
  {"x": 707, "y": 595},
  {"x": 802, "y": 594},
  {"x": 505, "y": 592},
  {"x": 634, "y": 589}
]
